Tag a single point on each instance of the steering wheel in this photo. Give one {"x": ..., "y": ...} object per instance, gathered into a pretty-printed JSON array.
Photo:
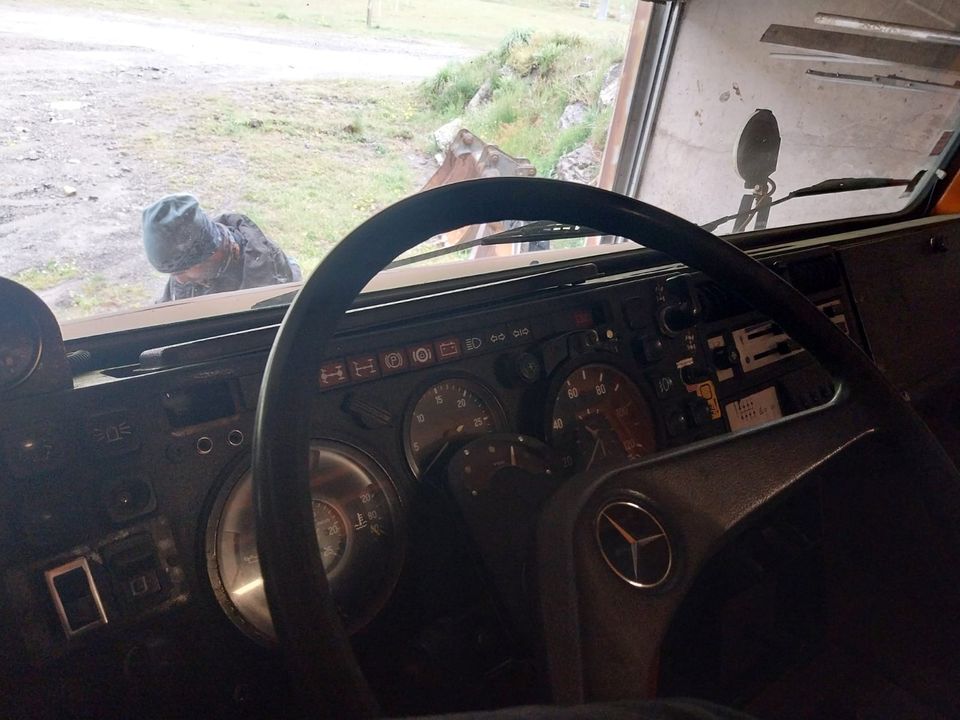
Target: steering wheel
[{"x": 602, "y": 636}]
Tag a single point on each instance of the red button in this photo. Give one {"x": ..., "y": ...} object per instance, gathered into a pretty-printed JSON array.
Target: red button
[
  {"x": 447, "y": 349},
  {"x": 333, "y": 373},
  {"x": 363, "y": 367},
  {"x": 393, "y": 361}
]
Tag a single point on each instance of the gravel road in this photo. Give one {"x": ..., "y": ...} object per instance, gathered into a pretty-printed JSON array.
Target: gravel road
[{"x": 75, "y": 84}]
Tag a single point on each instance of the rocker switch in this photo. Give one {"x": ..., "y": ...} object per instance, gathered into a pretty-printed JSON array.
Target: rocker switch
[{"x": 75, "y": 597}]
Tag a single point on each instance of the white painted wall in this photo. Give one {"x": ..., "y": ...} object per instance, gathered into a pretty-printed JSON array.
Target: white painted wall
[{"x": 827, "y": 129}]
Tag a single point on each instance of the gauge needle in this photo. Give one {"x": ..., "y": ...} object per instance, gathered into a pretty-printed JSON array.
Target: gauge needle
[{"x": 513, "y": 456}]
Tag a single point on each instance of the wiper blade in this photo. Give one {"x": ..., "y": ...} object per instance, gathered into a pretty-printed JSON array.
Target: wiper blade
[
  {"x": 537, "y": 231},
  {"x": 826, "y": 187}
]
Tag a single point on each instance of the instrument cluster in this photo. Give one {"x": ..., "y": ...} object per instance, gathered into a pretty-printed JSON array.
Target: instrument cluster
[
  {"x": 494, "y": 418},
  {"x": 525, "y": 413}
]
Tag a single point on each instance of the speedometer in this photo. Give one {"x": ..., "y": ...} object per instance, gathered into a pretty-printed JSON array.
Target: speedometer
[
  {"x": 359, "y": 539},
  {"x": 600, "y": 418},
  {"x": 445, "y": 416}
]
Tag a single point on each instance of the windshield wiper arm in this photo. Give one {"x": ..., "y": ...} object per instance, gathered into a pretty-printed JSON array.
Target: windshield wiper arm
[
  {"x": 539, "y": 230},
  {"x": 827, "y": 187}
]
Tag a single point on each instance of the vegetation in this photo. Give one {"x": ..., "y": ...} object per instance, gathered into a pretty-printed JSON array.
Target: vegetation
[
  {"x": 477, "y": 23},
  {"x": 97, "y": 294},
  {"x": 320, "y": 159},
  {"x": 48, "y": 275},
  {"x": 531, "y": 78},
  {"x": 308, "y": 161}
]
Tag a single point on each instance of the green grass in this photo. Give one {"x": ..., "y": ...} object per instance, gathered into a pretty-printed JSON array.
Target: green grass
[
  {"x": 309, "y": 165},
  {"x": 476, "y": 23},
  {"x": 48, "y": 275},
  {"x": 98, "y": 294},
  {"x": 533, "y": 77}
]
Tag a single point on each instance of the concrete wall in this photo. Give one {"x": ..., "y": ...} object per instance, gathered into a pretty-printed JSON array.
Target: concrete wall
[{"x": 722, "y": 72}]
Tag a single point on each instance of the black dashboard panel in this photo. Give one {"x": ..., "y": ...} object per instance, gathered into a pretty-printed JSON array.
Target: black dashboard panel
[{"x": 132, "y": 460}]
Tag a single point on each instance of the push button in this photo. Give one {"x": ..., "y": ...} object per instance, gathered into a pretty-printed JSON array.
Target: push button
[{"x": 135, "y": 570}]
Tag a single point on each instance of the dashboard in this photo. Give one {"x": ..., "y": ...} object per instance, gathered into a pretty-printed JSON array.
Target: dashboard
[{"x": 126, "y": 516}]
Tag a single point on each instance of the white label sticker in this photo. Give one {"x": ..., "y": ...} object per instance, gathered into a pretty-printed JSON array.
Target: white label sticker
[{"x": 755, "y": 409}]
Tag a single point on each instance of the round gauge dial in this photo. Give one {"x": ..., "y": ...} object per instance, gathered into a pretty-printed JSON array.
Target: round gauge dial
[
  {"x": 600, "y": 418},
  {"x": 446, "y": 415},
  {"x": 19, "y": 349},
  {"x": 355, "y": 511}
]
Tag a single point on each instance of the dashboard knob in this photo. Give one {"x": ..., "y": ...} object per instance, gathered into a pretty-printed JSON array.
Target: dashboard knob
[
  {"x": 674, "y": 319},
  {"x": 725, "y": 357},
  {"x": 519, "y": 369}
]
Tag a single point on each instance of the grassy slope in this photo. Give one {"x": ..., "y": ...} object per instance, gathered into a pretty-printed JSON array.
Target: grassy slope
[
  {"x": 532, "y": 78},
  {"x": 477, "y": 23}
]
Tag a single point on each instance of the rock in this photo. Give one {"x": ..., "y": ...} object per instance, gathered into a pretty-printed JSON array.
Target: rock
[
  {"x": 579, "y": 165},
  {"x": 254, "y": 123},
  {"x": 126, "y": 169},
  {"x": 92, "y": 198},
  {"x": 573, "y": 114},
  {"x": 445, "y": 134},
  {"x": 483, "y": 95},
  {"x": 611, "y": 84},
  {"x": 69, "y": 190},
  {"x": 21, "y": 129},
  {"x": 32, "y": 155},
  {"x": 73, "y": 161}
]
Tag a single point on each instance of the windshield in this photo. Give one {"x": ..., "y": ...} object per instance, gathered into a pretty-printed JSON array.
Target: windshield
[
  {"x": 154, "y": 154},
  {"x": 782, "y": 95}
]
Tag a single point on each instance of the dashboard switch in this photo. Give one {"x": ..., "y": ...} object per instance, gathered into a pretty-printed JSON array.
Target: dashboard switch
[
  {"x": 693, "y": 374},
  {"x": 725, "y": 357},
  {"x": 649, "y": 349},
  {"x": 135, "y": 569},
  {"x": 699, "y": 412},
  {"x": 75, "y": 597}
]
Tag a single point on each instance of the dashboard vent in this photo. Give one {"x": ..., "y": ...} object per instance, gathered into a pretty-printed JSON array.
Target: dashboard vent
[
  {"x": 717, "y": 303},
  {"x": 815, "y": 275}
]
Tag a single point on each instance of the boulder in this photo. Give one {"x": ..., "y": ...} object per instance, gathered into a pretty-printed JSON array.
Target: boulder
[
  {"x": 482, "y": 96},
  {"x": 445, "y": 134},
  {"x": 573, "y": 114},
  {"x": 611, "y": 84},
  {"x": 579, "y": 165}
]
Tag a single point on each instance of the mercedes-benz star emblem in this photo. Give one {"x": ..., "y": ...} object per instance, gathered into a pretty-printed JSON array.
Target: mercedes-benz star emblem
[{"x": 634, "y": 544}]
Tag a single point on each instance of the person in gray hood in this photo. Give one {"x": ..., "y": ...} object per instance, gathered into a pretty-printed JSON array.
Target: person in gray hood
[{"x": 206, "y": 255}]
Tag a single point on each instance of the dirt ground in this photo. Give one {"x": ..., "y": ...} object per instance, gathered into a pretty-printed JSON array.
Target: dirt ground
[{"x": 76, "y": 86}]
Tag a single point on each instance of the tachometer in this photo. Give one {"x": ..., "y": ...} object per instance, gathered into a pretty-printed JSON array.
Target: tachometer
[
  {"x": 355, "y": 511},
  {"x": 446, "y": 415},
  {"x": 599, "y": 418}
]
